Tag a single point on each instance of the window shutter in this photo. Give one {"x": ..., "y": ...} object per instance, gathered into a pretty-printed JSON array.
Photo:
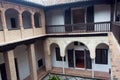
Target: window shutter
[
  {"x": 105, "y": 56},
  {"x": 68, "y": 20},
  {"x": 70, "y": 58},
  {"x": 98, "y": 56},
  {"x": 90, "y": 18},
  {"x": 88, "y": 60}
]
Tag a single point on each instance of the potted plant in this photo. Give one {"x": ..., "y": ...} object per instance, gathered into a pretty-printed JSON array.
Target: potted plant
[{"x": 54, "y": 78}]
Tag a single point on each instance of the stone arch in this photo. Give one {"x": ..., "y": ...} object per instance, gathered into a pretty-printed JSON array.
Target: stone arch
[
  {"x": 26, "y": 18},
  {"x": 26, "y": 10},
  {"x": 78, "y": 55},
  {"x": 12, "y": 8},
  {"x": 11, "y": 16},
  {"x": 53, "y": 45},
  {"x": 75, "y": 41},
  {"x": 37, "y": 19}
]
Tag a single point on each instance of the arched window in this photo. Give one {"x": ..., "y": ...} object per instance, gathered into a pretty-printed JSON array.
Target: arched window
[
  {"x": 37, "y": 20},
  {"x": 26, "y": 19},
  {"x": 11, "y": 18},
  {"x": 101, "y": 54}
]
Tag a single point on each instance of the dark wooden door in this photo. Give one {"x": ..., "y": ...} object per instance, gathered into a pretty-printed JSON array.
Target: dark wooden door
[
  {"x": 3, "y": 71},
  {"x": 88, "y": 60},
  {"x": 78, "y": 16},
  {"x": 16, "y": 66},
  {"x": 70, "y": 58}
]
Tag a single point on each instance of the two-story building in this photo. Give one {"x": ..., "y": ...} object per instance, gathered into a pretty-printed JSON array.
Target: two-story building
[{"x": 69, "y": 37}]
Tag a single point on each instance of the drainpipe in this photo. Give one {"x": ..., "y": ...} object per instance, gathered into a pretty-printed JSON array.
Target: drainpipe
[
  {"x": 63, "y": 65},
  {"x": 93, "y": 74}
]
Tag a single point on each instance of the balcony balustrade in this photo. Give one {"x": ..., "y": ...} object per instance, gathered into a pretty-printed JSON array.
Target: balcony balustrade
[{"x": 80, "y": 27}]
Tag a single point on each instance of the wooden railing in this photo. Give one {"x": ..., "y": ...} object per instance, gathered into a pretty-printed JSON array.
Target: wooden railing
[{"x": 80, "y": 27}]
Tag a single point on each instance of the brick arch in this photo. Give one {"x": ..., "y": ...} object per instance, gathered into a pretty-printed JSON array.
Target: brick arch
[
  {"x": 25, "y": 10},
  {"x": 15, "y": 9},
  {"x": 37, "y": 12},
  {"x": 37, "y": 19},
  {"x": 50, "y": 47},
  {"x": 104, "y": 43}
]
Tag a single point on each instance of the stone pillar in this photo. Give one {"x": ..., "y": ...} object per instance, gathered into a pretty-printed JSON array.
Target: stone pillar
[
  {"x": 32, "y": 23},
  {"x": 32, "y": 62},
  {"x": 20, "y": 23},
  {"x": 42, "y": 18},
  {"x": 10, "y": 65},
  {"x": 63, "y": 65},
  {"x": 3, "y": 19},
  {"x": 48, "y": 64},
  {"x": 3, "y": 22},
  {"x": 93, "y": 64}
]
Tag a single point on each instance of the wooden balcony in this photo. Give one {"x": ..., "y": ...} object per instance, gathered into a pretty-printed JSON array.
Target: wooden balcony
[{"x": 80, "y": 27}]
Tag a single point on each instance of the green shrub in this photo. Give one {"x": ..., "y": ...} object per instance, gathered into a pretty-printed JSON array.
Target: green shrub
[{"x": 54, "y": 78}]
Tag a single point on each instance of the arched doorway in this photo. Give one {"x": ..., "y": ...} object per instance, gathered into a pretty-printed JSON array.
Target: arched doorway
[
  {"x": 78, "y": 55},
  {"x": 37, "y": 20},
  {"x": 56, "y": 58}
]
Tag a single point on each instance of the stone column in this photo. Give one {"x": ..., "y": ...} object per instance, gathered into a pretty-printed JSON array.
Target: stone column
[
  {"x": 3, "y": 19},
  {"x": 10, "y": 65},
  {"x": 48, "y": 64},
  {"x": 32, "y": 62},
  {"x": 32, "y": 23},
  {"x": 63, "y": 65},
  {"x": 20, "y": 23},
  {"x": 42, "y": 18},
  {"x": 93, "y": 63},
  {"x": 3, "y": 22}
]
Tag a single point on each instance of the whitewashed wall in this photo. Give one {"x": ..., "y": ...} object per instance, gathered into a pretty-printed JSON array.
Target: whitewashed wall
[
  {"x": 102, "y": 13},
  {"x": 118, "y": 8},
  {"x": 39, "y": 52},
  {"x": 118, "y": 11},
  {"x": 55, "y": 17},
  {"x": 21, "y": 54}
]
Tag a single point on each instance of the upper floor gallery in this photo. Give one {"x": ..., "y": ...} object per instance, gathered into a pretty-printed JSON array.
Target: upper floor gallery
[{"x": 19, "y": 21}]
